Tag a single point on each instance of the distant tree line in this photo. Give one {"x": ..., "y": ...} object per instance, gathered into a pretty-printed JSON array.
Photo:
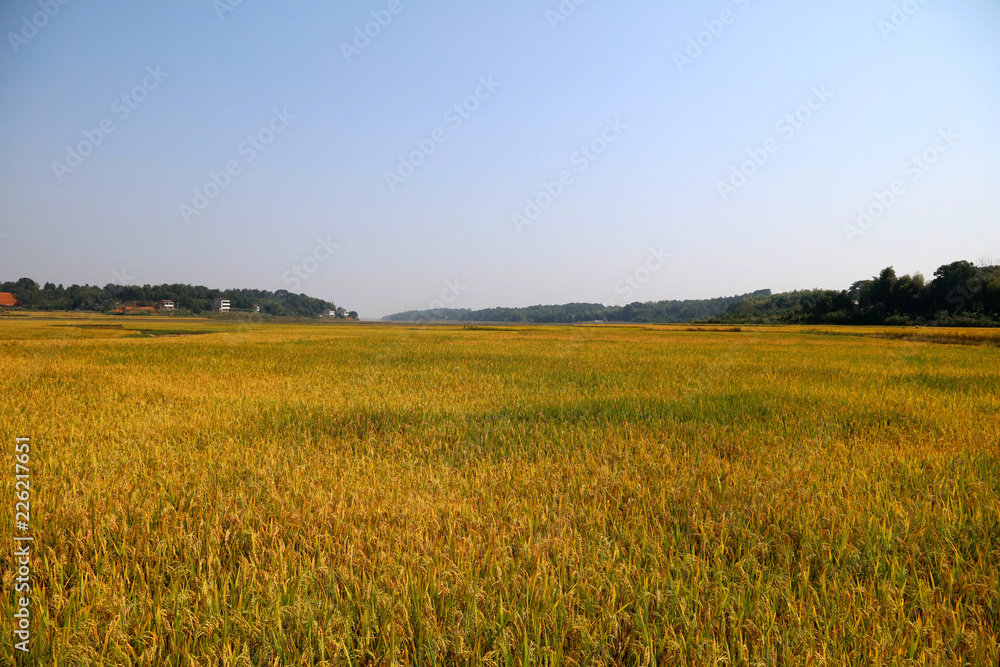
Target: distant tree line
[
  {"x": 660, "y": 311},
  {"x": 187, "y": 298},
  {"x": 960, "y": 294}
]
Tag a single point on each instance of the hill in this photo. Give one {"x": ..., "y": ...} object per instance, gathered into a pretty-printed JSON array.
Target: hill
[
  {"x": 190, "y": 298},
  {"x": 960, "y": 294},
  {"x": 660, "y": 311}
]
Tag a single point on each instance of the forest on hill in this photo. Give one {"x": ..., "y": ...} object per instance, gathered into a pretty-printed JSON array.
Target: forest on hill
[
  {"x": 660, "y": 311},
  {"x": 193, "y": 299},
  {"x": 960, "y": 294}
]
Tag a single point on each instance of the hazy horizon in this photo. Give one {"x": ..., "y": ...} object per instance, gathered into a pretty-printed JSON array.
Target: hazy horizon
[{"x": 251, "y": 145}]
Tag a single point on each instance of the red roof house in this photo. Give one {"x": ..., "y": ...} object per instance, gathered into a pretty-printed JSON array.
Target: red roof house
[{"x": 7, "y": 299}]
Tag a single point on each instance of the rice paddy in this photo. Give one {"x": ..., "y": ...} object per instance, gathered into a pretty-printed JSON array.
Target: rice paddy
[{"x": 307, "y": 494}]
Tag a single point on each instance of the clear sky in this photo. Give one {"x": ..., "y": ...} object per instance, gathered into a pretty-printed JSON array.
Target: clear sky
[{"x": 822, "y": 107}]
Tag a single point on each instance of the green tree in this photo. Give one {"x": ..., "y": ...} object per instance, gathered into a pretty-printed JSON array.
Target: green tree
[{"x": 957, "y": 286}]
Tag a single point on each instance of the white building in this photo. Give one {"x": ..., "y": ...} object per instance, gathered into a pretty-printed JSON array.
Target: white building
[
  {"x": 166, "y": 304},
  {"x": 221, "y": 305}
]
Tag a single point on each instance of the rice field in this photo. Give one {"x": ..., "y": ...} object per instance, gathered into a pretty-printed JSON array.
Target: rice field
[{"x": 247, "y": 493}]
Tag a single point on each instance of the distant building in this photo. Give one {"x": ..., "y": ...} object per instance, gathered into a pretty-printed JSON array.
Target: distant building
[
  {"x": 166, "y": 304},
  {"x": 255, "y": 308},
  {"x": 340, "y": 313},
  {"x": 221, "y": 305},
  {"x": 7, "y": 299}
]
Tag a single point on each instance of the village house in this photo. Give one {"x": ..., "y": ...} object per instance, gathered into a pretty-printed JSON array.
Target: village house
[
  {"x": 221, "y": 305},
  {"x": 166, "y": 304},
  {"x": 7, "y": 299}
]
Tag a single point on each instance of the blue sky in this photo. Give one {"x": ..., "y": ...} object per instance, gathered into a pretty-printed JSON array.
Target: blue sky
[{"x": 619, "y": 100}]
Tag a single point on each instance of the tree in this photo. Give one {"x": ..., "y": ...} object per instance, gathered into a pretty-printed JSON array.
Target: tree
[
  {"x": 910, "y": 297},
  {"x": 881, "y": 292},
  {"x": 991, "y": 291},
  {"x": 957, "y": 286}
]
